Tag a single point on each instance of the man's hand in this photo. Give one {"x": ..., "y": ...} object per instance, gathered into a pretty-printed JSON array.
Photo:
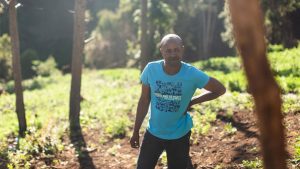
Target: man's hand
[{"x": 135, "y": 140}]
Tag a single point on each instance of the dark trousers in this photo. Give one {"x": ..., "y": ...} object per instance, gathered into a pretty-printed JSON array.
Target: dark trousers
[{"x": 152, "y": 147}]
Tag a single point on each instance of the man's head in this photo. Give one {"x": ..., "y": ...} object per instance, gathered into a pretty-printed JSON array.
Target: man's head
[{"x": 171, "y": 48}]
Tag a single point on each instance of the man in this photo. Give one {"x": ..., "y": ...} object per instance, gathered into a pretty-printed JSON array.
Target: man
[{"x": 169, "y": 86}]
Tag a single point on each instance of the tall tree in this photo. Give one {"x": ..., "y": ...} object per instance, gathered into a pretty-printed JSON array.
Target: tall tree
[
  {"x": 78, "y": 44},
  {"x": 144, "y": 57},
  {"x": 281, "y": 21},
  {"x": 209, "y": 18},
  {"x": 249, "y": 33},
  {"x": 279, "y": 15},
  {"x": 13, "y": 29}
]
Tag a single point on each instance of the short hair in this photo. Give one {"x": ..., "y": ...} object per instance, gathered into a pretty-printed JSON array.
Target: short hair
[{"x": 168, "y": 37}]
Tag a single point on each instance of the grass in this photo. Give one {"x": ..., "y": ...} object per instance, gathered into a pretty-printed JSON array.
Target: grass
[{"x": 110, "y": 98}]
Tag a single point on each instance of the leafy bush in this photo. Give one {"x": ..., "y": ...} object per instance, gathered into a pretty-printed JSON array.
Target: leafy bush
[
  {"x": 202, "y": 121},
  {"x": 45, "y": 68},
  {"x": 108, "y": 36},
  {"x": 30, "y": 84},
  {"x": 285, "y": 63},
  {"x": 223, "y": 64},
  {"x": 34, "y": 145},
  {"x": 290, "y": 103},
  {"x": 117, "y": 128},
  {"x": 27, "y": 58},
  {"x": 289, "y": 84},
  {"x": 236, "y": 81},
  {"x": 5, "y": 58},
  {"x": 275, "y": 48},
  {"x": 229, "y": 129}
]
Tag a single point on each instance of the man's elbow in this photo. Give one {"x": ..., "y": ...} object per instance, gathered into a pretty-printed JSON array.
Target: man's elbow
[
  {"x": 144, "y": 100},
  {"x": 221, "y": 91}
]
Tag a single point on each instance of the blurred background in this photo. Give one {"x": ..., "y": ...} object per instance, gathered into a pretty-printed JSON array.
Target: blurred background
[{"x": 113, "y": 31}]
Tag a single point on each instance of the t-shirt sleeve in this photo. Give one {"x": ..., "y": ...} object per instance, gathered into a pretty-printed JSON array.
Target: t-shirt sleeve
[
  {"x": 145, "y": 75},
  {"x": 201, "y": 78}
]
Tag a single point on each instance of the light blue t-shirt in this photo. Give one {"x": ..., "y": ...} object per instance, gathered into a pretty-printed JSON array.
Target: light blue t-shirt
[{"x": 170, "y": 96}]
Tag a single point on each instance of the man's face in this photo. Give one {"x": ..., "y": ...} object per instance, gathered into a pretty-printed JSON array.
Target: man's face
[{"x": 172, "y": 52}]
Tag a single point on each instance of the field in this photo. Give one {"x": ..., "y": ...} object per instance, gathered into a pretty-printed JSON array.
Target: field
[{"x": 225, "y": 134}]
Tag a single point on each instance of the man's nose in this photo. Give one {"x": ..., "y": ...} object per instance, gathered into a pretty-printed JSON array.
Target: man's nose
[{"x": 173, "y": 53}]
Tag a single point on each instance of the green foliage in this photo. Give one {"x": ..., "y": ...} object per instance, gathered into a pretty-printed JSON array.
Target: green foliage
[
  {"x": 3, "y": 151},
  {"x": 161, "y": 21},
  {"x": 223, "y": 64},
  {"x": 202, "y": 121},
  {"x": 227, "y": 35},
  {"x": 29, "y": 62},
  {"x": 117, "y": 128},
  {"x": 163, "y": 159},
  {"x": 279, "y": 20},
  {"x": 275, "y": 48},
  {"x": 1, "y": 8},
  {"x": 5, "y": 58},
  {"x": 236, "y": 82},
  {"x": 34, "y": 145},
  {"x": 289, "y": 84},
  {"x": 27, "y": 59},
  {"x": 110, "y": 37},
  {"x": 254, "y": 164},
  {"x": 290, "y": 103},
  {"x": 284, "y": 65},
  {"x": 116, "y": 93},
  {"x": 227, "y": 70},
  {"x": 38, "y": 82},
  {"x": 45, "y": 68},
  {"x": 109, "y": 104},
  {"x": 229, "y": 129},
  {"x": 296, "y": 159}
]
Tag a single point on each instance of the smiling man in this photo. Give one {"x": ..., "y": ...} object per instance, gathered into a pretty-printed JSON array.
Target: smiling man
[{"x": 169, "y": 85}]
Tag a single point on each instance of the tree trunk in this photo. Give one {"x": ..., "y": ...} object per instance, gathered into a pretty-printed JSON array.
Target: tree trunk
[
  {"x": 78, "y": 44},
  {"x": 248, "y": 29},
  {"x": 209, "y": 18},
  {"x": 143, "y": 56},
  {"x": 13, "y": 29}
]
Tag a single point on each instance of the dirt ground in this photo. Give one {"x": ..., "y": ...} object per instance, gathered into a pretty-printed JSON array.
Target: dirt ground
[{"x": 215, "y": 148}]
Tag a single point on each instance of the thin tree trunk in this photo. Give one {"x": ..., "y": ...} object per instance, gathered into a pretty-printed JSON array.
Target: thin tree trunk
[
  {"x": 248, "y": 29},
  {"x": 143, "y": 56},
  {"x": 208, "y": 19},
  {"x": 211, "y": 29},
  {"x": 203, "y": 37},
  {"x": 78, "y": 44},
  {"x": 13, "y": 29}
]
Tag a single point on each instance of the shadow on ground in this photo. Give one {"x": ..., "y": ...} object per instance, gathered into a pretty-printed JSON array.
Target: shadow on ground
[{"x": 84, "y": 159}]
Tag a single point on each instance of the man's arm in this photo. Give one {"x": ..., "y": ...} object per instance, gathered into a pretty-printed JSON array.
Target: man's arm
[
  {"x": 142, "y": 110},
  {"x": 214, "y": 90}
]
